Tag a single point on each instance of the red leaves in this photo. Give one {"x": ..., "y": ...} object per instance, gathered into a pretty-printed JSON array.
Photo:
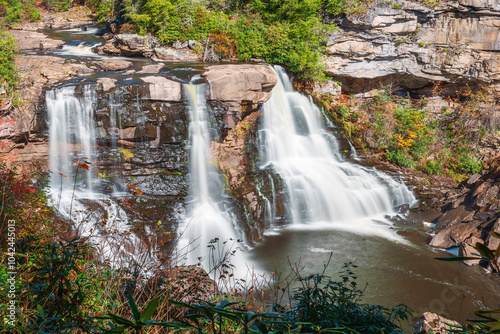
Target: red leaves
[
  {"x": 83, "y": 166},
  {"x": 132, "y": 188}
]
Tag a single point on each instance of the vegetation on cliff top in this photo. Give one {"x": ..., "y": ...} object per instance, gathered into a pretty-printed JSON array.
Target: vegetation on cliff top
[{"x": 291, "y": 33}]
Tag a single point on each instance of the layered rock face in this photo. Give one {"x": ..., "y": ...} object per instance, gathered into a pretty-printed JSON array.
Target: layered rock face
[
  {"x": 237, "y": 90},
  {"x": 456, "y": 43}
]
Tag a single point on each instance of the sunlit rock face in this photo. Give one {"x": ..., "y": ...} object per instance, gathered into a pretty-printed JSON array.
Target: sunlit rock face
[{"x": 410, "y": 44}]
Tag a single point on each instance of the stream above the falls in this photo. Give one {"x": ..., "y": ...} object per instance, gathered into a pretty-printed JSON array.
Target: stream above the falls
[{"x": 391, "y": 255}]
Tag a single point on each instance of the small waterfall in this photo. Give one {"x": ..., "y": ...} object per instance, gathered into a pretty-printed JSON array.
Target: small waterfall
[
  {"x": 207, "y": 234},
  {"x": 72, "y": 141},
  {"x": 83, "y": 49},
  {"x": 323, "y": 190}
]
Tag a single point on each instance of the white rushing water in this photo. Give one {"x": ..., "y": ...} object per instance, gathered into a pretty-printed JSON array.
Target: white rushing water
[
  {"x": 208, "y": 219},
  {"x": 84, "y": 49},
  {"x": 72, "y": 140},
  {"x": 323, "y": 190}
]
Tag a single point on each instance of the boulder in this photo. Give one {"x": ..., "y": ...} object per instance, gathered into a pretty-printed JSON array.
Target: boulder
[
  {"x": 132, "y": 45},
  {"x": 114, "y": 64},
  {"x": 459, "y": 214},
  {"x": 50, "y": 44},
  {"x": 152, "y": 69},
  {"x": 492, "y": 242},
  {"x": 162, "y": 89},
  {"x": 486, "y": 196},
  {"x": 175, "y": 55},
  {"x": 467, "y": 249},
  {"x": 433, "y": 323},
  {"x": 455, "y": 234},
  {"x": 236, "y": 83}
]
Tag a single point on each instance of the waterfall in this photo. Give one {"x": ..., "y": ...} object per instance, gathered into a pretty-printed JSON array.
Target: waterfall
[
  {"x": 71, "y": 134},
  {"x": 323, "y": 190},
  {"x": 208, "y": 233},
  {"x": 97, "y": 216}
]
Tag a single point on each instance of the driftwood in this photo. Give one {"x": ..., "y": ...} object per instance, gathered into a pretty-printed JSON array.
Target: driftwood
[{"x": 209, "y": 54}]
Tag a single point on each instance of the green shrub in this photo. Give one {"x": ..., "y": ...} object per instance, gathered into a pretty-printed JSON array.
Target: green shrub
[
  {"x": 322, "y": 303},
  {"x": 432, "y": 167},
  {"x": 401, "y": 158},
  {"x": 58, "y": 5},
  {"x": 8, "y": 51},
  {"x": 467, "y": 163},
  {"x": 102, "y": 8},
  {"x": 13, "y": 11}
]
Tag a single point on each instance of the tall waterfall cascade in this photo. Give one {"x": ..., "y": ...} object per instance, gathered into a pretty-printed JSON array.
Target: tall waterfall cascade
[
  {"x": 73, "y": 183},
  {"x": 208, "y": 234},
  {"x": 323, "y": 190}
]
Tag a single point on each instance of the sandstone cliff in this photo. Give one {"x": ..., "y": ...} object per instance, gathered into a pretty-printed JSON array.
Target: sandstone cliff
[{"x": 413, "y": 45}]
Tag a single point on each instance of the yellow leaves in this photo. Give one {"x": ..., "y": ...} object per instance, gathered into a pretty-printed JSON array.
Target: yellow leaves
[
  {"x": 139, "y": 191},
  {"x": 127, "y": 154}
]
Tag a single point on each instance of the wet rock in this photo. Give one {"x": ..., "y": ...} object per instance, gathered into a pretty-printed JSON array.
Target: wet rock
[
  {"x": 402, "y": 209},
  {"x": 162, "y": 89},
  {"x": 161, "y": 185},
  {"x": 467, "y": 249},
  {"x": 126, "y": 133},
  {"x": 114, "y": 64},
  {"x": 106, "y": 83},
  {"x": 455, "y": 234},
  {"x": 176, "y": 55},
  {"x": 112, "y": 24},
  {"x": 232, "y": 160},
  {"x": 433, "y": 323},
  {"x": 146, "y": 132},
  {"x": 152, "y": 69}
]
